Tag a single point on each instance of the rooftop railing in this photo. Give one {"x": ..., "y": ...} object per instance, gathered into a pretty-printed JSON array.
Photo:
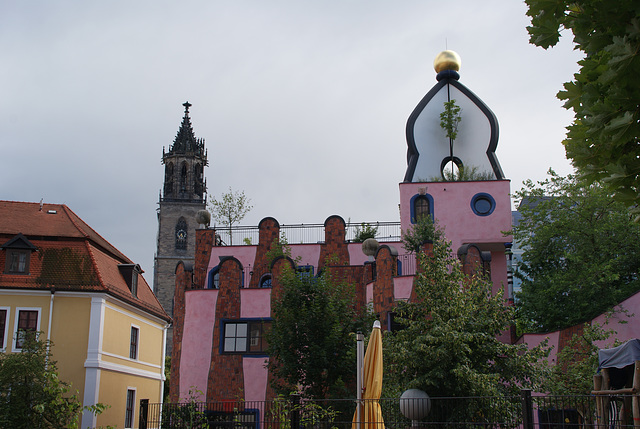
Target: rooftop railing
[{"x": 307, "y": 233}]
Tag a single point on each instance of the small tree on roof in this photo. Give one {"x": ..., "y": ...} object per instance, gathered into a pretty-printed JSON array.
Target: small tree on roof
[{"x": 230, "y": 209}]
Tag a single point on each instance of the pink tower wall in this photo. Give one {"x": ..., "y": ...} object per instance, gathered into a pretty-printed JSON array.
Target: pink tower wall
[
  {"x": 452, "y": 207},
  {"x": 200, "y": 315}
]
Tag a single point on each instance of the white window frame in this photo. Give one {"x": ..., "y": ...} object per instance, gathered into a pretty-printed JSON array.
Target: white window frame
[
  {"x": 15, "y": 325},
  {"x": 137, "y": 357},
  {"x": 3, "y": 347},
  {"x": 133, "y": 407}
]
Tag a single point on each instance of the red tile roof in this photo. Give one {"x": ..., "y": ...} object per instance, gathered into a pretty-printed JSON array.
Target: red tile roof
[{"x": 70, "y": 256}]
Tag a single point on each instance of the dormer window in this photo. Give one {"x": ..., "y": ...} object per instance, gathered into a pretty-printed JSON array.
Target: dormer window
[
  {"x": 17, "y": 261},
  {"x": 18, "y": 255},
  {"x": 130, "y": 274}
]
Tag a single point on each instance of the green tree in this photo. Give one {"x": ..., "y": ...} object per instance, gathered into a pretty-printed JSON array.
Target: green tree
[
  {"x": 312, "y": 336},
  {"x": 449, "y": 120},
  {"x": 581, "y": 253},
  {"x": 602, "y": 141},
  {"x": 576, "y": 363},
  {"x": 364, "y": 231},
  {"x": 464, "y": 173},
  {"x": 448, "y": 344},
  {"x": 32, "y": 395},
  {"x": 230, "y": 209},
  {"x": 426, "y": 230}
]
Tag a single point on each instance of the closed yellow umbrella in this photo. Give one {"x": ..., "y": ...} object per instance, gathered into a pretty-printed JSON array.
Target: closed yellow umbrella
[{"x": 370, "y": 411}]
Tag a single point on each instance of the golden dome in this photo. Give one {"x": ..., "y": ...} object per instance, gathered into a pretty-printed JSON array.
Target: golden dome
[{"x": 447, "y": 60}]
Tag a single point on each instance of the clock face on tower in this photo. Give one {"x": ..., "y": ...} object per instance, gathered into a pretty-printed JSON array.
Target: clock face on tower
[{"x": 181, "y": 234}]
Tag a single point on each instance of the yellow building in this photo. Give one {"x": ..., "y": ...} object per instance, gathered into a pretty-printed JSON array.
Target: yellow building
[{"x": 58, "y": 276}]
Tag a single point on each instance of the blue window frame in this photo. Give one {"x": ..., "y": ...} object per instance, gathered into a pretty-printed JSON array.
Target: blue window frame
[
  {"x": 213, "y": 282},
  {"x": 245, "y": 336},
  {"x": 305, "y": 271},
  {"x": 265, "y": 281},
  {"x": 483, "y": 204},
  {"x": 421, "y": 205}
]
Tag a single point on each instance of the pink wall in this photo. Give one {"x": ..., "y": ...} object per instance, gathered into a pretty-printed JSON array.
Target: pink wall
[
  {"x": 245, "y": 254},
  {"x": 255, "y": 378},
  {"x": 499, "y": 272},
  {"x": 625, "y": 324},
  {"x": 199, "y": 320},
  {"x": 625, "y": 321},
  {"x": 452, "y": 207},
  {"x": 308, "y": 254},
  {"x": 255, "y": 303},
  {"x": 402, "y": 287},
  {"x": 200, "y": 306}
]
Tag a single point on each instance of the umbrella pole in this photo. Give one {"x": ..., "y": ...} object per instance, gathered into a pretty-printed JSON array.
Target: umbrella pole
[{"x": 359, "y": 363}]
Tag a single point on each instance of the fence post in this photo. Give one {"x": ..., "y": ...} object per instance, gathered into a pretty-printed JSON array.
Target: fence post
[
  {"x": 527, "y": 409},
  {"x": 144, "y": 413},
  {"x": 295, "y": 411}
]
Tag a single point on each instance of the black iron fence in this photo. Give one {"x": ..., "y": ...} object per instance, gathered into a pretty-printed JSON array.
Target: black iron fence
[
  {"x": 307, "y": 233},
  {"x": 523, "y": 411}
]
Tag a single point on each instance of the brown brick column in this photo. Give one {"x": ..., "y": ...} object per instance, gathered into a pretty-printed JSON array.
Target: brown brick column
[
  {"x": 469, "y": 256},
  {"x": 383, "y": 294},
  {"x": 335, "y": 250},
  {"x": 269, "y": 233},
  {"x": 474, "y": 261},
  {"x": 279, "y": 265},
  {"x": 226, "y": 376},
  {"x": 566, "y": 335},
  {"x": 353, "y": 275},
  {"x": 204, "y": 243},
  {"x": 427, "y": 249},
  {"x": 184, "y": 277}
]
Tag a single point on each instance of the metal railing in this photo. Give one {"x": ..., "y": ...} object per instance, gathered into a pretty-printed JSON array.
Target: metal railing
[
  {"x": 521, "y": 411},
  {"x": 306, "y": 233}
]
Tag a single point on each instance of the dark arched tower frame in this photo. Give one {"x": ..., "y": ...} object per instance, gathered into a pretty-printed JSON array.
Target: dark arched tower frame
[{"x": 184, "y": 193}]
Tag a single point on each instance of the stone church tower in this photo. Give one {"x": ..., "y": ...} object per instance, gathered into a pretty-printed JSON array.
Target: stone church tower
[{"x": 184, "y": 193}]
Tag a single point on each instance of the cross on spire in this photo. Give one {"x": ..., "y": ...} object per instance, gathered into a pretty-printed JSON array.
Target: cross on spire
[{"x": 186, "y": 107}]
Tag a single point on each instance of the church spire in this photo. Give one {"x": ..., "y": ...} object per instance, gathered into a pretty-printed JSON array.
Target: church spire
[
  {"x": 184, "y": 165},
  {"x": 186, "y": 141}
]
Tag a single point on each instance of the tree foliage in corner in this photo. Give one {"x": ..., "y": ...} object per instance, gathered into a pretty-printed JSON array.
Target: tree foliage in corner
[
  {"x": 32, "y": 395},
  {"x": 603, "y": 140},
  {"x": 312, "y": 336},
  {"x": 581, "y": 253},
  {"x": 449, "y": 344},
  {"x": 230, "y": 209},
  {"x": 364, "y": 231},
  {"x": 425, "y": 230},
  {"x": 576, "y": 363}
]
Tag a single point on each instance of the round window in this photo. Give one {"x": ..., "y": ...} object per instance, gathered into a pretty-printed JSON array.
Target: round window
[{"x": 483, "y": 204}]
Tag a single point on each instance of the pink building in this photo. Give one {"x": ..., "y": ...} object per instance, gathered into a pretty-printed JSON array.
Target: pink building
[
  {"x": 624, "y": 321},
  {"x": 224, "y": 301}
]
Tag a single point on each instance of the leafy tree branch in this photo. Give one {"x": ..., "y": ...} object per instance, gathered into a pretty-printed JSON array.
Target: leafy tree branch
[
  {"x": 603, "y": 141},
  {"x": 230, "y": 209}
]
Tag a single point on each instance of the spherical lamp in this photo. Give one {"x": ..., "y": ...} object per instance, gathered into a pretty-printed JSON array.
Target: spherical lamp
[
  {"x": 203, "y": 217},
  {"x": 415, "y": 404}
]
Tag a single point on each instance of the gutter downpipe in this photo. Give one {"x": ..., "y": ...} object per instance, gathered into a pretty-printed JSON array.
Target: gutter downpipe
[
  {"x": 164, "y": 351},
  {"x": 53, "y": 291}
]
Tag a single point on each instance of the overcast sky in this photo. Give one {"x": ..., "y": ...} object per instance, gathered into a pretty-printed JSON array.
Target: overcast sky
[{"x": 302, "y": 104}]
